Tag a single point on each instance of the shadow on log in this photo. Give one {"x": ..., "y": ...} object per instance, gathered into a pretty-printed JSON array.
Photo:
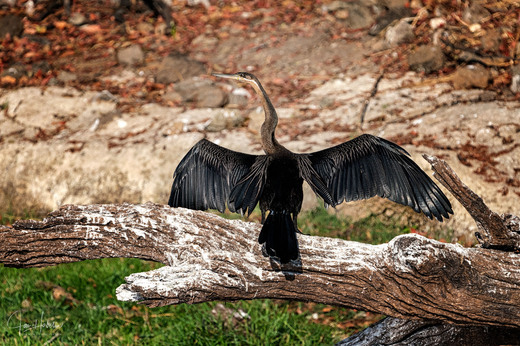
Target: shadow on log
[{"x": 431, "y": 289}]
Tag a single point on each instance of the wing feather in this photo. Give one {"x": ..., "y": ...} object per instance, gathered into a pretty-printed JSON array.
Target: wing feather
[
  {"x": 246, "y": 193},
  {"x": 370, "y": 166},
  {"x": 206, "y": 176},
  {"x": 315, "y": 179}
]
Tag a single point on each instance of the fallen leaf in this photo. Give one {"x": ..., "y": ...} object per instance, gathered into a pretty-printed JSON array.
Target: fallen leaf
[
  {"x": 26, "y": 303},
  {"x": 278, "y": 81},
  {"x": 59, "y": 292},
  {"x": 60, "y": 25},
  {"x": 8, "y": 80},
  {"x": 31, "y": 54},
  {"x": 327, "y": 309},
  {"x": 67, "y": 53},
  {"x": 115, "y": 310},
  {"x": 90, "y": 28},
  {"x": 41, "y": 29}
]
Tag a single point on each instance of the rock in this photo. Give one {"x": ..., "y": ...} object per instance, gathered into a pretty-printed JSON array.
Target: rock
[
  {"x": 400, "y": 33},
  {"x": 188, "y": 88},
  {"x": 355, "y": 15},
  {"x": 131, "y": 56},
  {"x": 238, "y": 97},
  {"x": 326, "y": 102},
  {"x": 218, "y": 123},
  {"x": 202, "y": 91},
  {"x": 90, "y": 29},
  {"x": 162, "y": 29},
  {"x": 9, "y": 127},
  {"x": 66, "y": 77},
  {"x": 341, "y": 14},
  {"x": 491, "y": 41},
  {"x": 437, "y": 22},
  {"x": 178, "y": 67},
  {"x": 207, "y": 43},
  {"x": 475, "y": 13},
  {"x": 43, "y": 41},
  {"x": 475, "y": 28},
  {"x": 79, "y": 165},
  {"x": 105, "y": 95},
  {"x": 12, "y": 25},
  {"x": 426, "y": 59},
  {"x": 172, "y": 96},
  {"x": 29, "y": 7},
  {"x": 41, "y": 66},
  {"x": 359, "y": 15},
  {"x": 224, "y": 120},
  {"x": 16, "y": 70},
  {"x": 123, "y": 77},
  {"x": 388, "y": 17},
  {"x": 470, "y": 76},
  {"x": 195, "y": 3},
  {"x": 145, "y": 28},
  {"x": 515, "y": 79},
  {"x": 334, "y": 6},
  {"x": 176, "y": 128},
  {"x": 7, "y": 3},
  {"x": 77, "y": 19},
  {"x": 34, "y": 108},
  {"x": 210, "y": 97},
  {"x": 394, "y": 4}
]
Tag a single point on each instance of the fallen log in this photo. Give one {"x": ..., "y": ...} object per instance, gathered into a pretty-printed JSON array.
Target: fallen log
[{"x": 210, "y": 258}]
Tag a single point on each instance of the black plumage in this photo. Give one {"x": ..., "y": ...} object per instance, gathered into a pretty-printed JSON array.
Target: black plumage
[{"x": 213, "y": 177}]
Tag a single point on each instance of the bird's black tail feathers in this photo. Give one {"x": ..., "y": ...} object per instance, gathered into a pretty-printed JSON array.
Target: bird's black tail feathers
[{"x": 279, "y": 234}]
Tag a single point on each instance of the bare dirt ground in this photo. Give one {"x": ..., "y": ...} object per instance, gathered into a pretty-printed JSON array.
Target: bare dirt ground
[{"x": 98, "y": 114}]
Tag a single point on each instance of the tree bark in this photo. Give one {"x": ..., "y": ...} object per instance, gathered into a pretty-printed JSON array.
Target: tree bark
[
  {"x": 495, "y": 231},
  {"x": 210, "y": 258},
  {"x": 395, "y": 331}
]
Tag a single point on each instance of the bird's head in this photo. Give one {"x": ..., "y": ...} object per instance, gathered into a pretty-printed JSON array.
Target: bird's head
[{"x": 242, "y": 77}]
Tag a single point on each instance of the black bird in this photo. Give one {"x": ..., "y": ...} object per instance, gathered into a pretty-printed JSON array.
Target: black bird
[{"x": 213, "y": 177}]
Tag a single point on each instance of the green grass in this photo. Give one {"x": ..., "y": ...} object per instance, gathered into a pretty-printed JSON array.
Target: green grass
[
  {"x": 75, "y": 303},
  {"x": 368, "y": 230},
  {"x": 7, "y": 217},
  {"x": 371, "y": 230},
  {"x": 15, "y": 205}
]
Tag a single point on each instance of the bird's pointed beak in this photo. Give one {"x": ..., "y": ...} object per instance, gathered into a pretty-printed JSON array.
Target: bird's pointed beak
[{"x": 223, "y": 75}]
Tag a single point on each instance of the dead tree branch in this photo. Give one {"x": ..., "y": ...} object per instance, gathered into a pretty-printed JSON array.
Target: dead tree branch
[{"x": 495, "y": 231}]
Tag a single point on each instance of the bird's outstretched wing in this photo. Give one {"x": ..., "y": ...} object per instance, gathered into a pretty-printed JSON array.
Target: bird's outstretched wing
[
  {"x": 206, "y": 176},
  {"x": 368, "y": 166}
]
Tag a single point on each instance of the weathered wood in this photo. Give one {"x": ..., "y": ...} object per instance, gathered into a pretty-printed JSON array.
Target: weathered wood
[
  {"x": 395, "y": 331},
  {"x": 210, "y": 258},
  {"x": 495, "y": 231}
]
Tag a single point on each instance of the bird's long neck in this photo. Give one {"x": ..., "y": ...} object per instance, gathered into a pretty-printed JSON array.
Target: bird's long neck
[{"x": 269, "y": 142}]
